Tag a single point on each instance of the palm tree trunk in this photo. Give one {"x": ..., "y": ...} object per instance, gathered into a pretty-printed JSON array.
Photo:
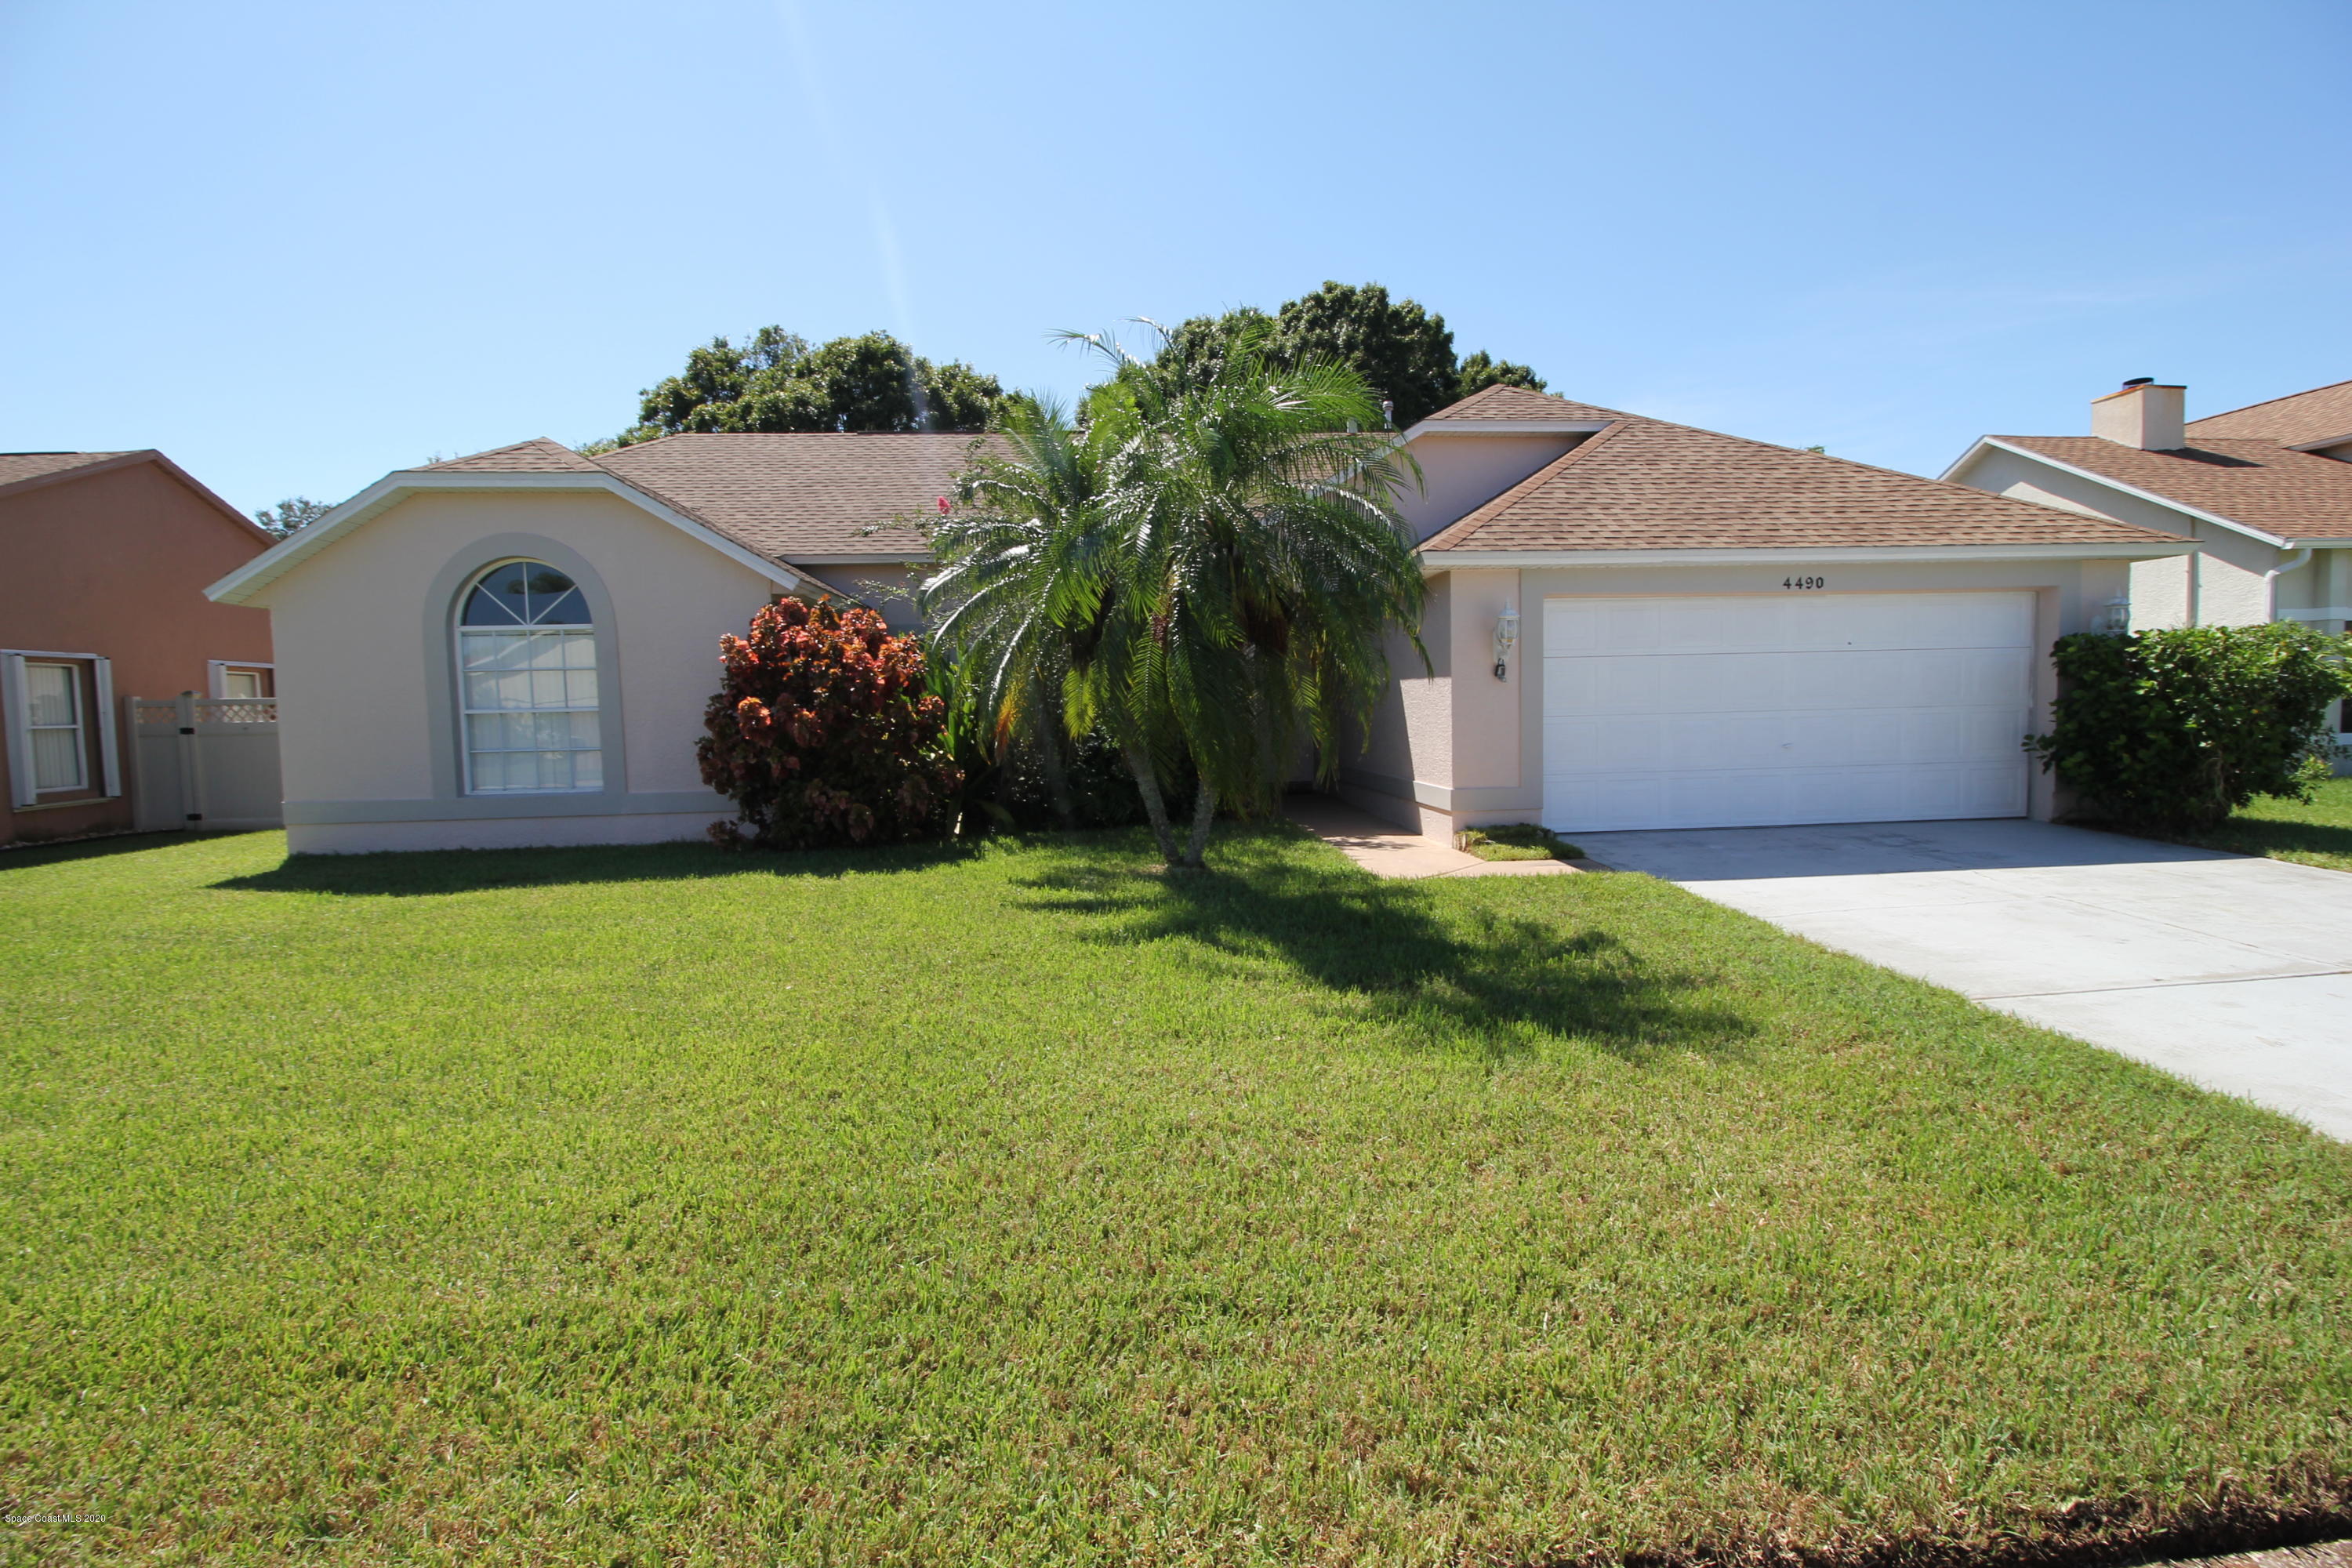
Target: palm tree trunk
[
  {"x": 1147, "y": 784},
  {"x": 1049, "y": 758},
  {"x": 1205, "y": 811}
]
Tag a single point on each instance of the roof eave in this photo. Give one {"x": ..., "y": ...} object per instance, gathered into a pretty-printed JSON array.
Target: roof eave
[
  {"x": 241, "y": 586},
  {"x": 1434, "y": 426},
  {"x": 1435, "y": 560}
]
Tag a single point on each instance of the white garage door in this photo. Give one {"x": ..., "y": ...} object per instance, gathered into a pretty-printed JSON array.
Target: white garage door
[{"x": 1813, "y": 707}]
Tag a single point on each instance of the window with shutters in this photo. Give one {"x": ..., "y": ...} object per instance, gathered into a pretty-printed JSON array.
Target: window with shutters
[{"x": 57, "y": 721}]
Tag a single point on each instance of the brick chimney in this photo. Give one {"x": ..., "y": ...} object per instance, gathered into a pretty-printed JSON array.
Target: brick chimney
[{"x": 2142, "y": 414}]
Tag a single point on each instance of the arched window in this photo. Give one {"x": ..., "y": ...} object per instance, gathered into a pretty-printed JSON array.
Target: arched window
[{"x": 527, "y": 660}]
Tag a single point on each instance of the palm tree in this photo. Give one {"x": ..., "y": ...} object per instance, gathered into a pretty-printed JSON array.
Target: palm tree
[
  {"x": 1009, "y": 598},
  {"x": 1205, "y": 569}
]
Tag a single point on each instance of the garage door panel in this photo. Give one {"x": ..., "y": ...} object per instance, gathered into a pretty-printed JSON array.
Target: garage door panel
[
  {"x": 1813, "y": 707},
  {"x": 1608, "y": 746},
  {"x": 1827, "y": 621}
]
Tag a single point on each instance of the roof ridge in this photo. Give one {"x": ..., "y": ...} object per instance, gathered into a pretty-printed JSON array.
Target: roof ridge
[
  {"x": 1833, "y": 457},
  {"x": 1502, "y": 390},
  {"x": 533, "y": 443},
  {"x": 2265, "y": 403}
]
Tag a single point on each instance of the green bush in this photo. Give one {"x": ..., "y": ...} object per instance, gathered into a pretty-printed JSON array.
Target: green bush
[{"x": 2170, "y": 731}]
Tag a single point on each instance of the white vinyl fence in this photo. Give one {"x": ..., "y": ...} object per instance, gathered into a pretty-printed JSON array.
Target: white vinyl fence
[{"x": 205, "y": 762}]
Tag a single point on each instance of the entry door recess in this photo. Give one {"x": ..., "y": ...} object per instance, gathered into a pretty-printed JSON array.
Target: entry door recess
[{"x": 1744, "y": 711}]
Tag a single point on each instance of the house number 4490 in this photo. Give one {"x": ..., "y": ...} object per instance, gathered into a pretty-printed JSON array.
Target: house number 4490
[{"x": 1804, "y": 582}]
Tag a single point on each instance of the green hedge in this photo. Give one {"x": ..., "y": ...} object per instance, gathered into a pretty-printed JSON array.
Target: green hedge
[{"x": 2170, "y": 731}]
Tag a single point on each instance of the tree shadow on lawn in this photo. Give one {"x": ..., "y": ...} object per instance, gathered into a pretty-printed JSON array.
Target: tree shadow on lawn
[
  {"x": 1448, "y": 972},
  {"x": 426, "y": 872}
]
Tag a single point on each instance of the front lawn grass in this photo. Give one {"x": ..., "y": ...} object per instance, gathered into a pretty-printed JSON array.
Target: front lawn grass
[
  {"x": 1017, "y": 1206},
  {"x": 2317, "y": 832}
]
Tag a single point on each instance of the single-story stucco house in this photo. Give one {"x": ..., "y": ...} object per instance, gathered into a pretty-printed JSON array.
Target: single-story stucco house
[{"x": 1631, "y": 624}]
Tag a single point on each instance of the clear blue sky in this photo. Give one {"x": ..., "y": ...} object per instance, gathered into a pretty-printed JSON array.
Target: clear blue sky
[{"x": 295, "y": 245}]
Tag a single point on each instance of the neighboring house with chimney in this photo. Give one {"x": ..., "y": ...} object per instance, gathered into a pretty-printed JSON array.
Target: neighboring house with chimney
[
  {"x": 104, "y": 557},
  {"x": 1630, "y": 623},
  {"x": 2263, "y": 493}
]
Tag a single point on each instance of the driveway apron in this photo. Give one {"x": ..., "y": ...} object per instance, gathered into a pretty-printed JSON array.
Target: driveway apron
[{"x": 2232, "y": 971}]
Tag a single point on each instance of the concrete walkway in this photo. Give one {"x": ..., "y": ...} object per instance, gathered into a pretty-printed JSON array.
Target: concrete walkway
[
  {"x": 1387, "y": 850},
  {"x": 2232, "y": 971}
]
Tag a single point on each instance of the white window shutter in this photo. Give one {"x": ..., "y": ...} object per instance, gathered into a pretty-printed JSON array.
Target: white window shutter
[
  {"x": 110, "y": 773},
  {"x": 20, "y": 739}
]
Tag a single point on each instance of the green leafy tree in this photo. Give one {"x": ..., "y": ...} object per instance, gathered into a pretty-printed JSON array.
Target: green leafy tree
[
  {"x": 1205, "y": 569},
  {"x": 776, "y": 382},
  {"x": 1402, "y": 352},
  {"x": 1480, "y": 372},
  {"x": 292, "y": 515}
]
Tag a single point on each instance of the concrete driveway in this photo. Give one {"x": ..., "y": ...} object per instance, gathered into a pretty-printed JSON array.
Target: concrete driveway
[{"x": 2234, "y": 972}]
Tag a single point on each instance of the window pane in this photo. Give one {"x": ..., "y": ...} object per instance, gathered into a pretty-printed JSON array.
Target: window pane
[
  {"x": 56, "y": 759},
  {"x": 570, "y": 610},
  {"x": 500, "y": 599},
  {"x": 530, "y": 720},
  {"x": 546, "y": 650},
  {"x": 494, "y": 771},
  {"x": 488, "y": 650},
  {"x": 241, "y": 685},
  {"x": 546, "y": 587},
  {"x": 50, "y": 693},
  {"x": 485, "y": 608}
]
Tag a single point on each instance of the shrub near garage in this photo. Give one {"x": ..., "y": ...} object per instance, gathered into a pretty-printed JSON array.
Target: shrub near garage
[
  {"x": 824, "y": 733},
  {"x": 2170, "y": 731}
]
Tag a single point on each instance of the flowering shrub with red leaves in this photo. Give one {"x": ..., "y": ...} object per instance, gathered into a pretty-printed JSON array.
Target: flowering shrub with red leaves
[{"x": 824, "y": 733}]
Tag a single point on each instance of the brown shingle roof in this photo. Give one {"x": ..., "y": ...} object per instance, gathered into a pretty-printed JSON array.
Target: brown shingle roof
[
  {"x": 540, "y": 457},
  {"x": 1643, "y": 484},
  {"x": 17, "y": 466},
  {"x": 803, "y": 496},
  {"x": 798, "y": 497},
  {"x": 2306, "y": 416},
  {"x": 1517, "y": 404},
  {"x": 2293, "y": 495}
]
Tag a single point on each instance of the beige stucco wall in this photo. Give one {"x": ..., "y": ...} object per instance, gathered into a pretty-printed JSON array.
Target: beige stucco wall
[
  {"x": 1484, "y": 764},
  {"x": 1411, "y": 732},
  {"x": 2224, "y": 584},
  {"x": 886, "y": 586},
  {"x": 356, "y": 717},
  {"x": 1461, "y": 473}
]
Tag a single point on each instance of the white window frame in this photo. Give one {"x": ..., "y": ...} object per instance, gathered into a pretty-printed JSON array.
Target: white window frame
[
  {"x": 466, "y": 710},
  {"x": 216, "y": 675},
  {"x": 13, "y": 710}
]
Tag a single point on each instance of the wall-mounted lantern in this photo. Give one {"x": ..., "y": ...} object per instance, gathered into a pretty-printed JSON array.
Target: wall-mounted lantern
[
  {"x": 1507, "y": 637},
  {"x": 2117, "y": 615}
]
